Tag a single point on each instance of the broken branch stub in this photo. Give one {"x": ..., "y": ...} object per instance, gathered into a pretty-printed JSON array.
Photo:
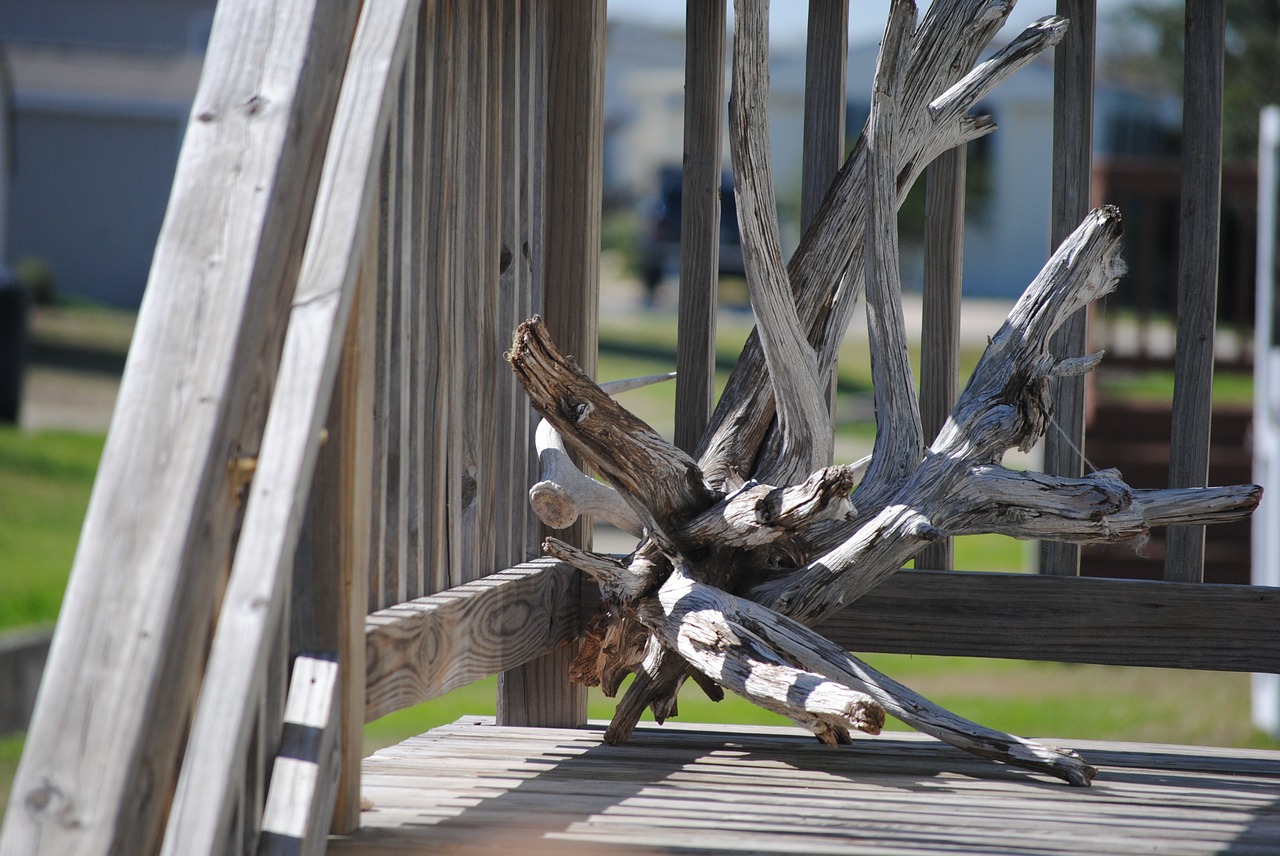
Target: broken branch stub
[{"x": 732, "y": 568}]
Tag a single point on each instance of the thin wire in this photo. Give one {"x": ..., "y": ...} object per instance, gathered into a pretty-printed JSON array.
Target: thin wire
[{"x": 1093, "y": 468}]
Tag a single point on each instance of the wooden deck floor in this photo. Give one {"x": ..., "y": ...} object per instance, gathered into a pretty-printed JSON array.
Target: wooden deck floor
[{"x": 473, "y": 787}]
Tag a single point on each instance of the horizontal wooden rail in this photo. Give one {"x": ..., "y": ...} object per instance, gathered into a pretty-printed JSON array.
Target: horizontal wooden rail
[
  {"x": 424, "y": 648},
  {"x": 1077, "y": 620}
]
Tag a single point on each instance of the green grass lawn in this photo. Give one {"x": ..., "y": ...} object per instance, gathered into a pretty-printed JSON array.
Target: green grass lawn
[
  {"x": 1057, "y": 700},
  {"x": 45, "y": 479}
]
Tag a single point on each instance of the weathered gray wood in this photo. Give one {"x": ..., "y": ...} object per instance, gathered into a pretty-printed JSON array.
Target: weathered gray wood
[
  {"x": 700, "y": 218},
  {"x": 512, "y": 410},
  {"x": 704, "y": 789},
  {"x": 572, "y": 35},
  {"x": 304, "y": 778},
  {"x": 1072, "y": 182},
  {"x": 1199, "y": 222},
  {"x": 411, "y": 416},
  {"x": 352, "y": 436},
  {"x": 565, "y": 493},
  {"x": 474, "y": 277},
  {"x": 940, "y": 321},
  {"x": 418, "y": 650},
  {"x": 899, "y": 443},
  {"x": 1015, "y": 363},
  {"x": 1039, "y": 617},
  {"x": 803, "y": 420},
  {"x": 257, "y": 593},
  {"x": 381, "y": 230},
  {"x": 830, "y": 690},
  {"x": 533, "y": 236},
  {"x": 439, "y": 387},
  {"x": 826, "y": 58},
  {"x": 826, "y": 62},
  {"x": 330, "y": 568},
  {"x": 825, "y": 297},
  {"x": 124, "y": 667}
]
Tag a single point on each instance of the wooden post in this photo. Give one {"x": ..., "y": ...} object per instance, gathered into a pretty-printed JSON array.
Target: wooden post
[
  {"x": 540, "y": 693},
  {"x": 1072, "y": 162},
  {"x": 940, "y": 336},
  {"x": 826, "y": 59},
  {"x": 700, "y": 220},
  {"x": 825, "y": 78},
  {"x": 125, "y": 664},
  {"x": 330, "y": 588},
  {"x": 1200, "y": 217}
]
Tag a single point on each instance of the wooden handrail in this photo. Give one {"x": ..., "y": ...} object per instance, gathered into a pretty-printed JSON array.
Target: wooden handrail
[{"x": 422, "y": 649}]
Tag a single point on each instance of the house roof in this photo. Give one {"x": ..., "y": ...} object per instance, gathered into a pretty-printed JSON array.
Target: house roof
[{"x": 51, "y": 78}]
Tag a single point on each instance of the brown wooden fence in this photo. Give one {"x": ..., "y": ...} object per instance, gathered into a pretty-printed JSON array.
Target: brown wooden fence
[{"x": 318, "y": 458}]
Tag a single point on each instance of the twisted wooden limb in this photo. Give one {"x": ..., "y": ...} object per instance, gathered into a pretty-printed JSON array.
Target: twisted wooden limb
[
  {"x": 691, "y": 618},
  {"x": 565, "y": 493},
  {"x": 803, "y": 419},
  {"x": 662, "y": 484},
  {"x": 947, "y": 42},
  {"x": 747, "y": 647},
  {"x": 899, "y": 437},
  {"x": 1004, "y": 405},
  {"x": 731, "y": 570},
  {"x": 1097, "y": 508}
]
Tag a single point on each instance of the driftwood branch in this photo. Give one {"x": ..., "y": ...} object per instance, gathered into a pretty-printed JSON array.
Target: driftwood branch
[
  {"x": 803, "y": 419},
  {"x": 744, "y": 549},
  {"x": 565, "y": 493},
  {"x": 899, "y": 437}
]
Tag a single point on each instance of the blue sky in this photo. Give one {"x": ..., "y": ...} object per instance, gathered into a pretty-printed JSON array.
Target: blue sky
[{"x": 866, "y": 17}]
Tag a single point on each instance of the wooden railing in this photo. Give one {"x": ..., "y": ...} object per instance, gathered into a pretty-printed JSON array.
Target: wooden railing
[{"x": 318, "y": 459}]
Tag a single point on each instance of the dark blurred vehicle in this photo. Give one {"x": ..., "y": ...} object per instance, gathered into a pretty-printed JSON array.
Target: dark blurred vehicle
[{"x": 660, "y": 256}]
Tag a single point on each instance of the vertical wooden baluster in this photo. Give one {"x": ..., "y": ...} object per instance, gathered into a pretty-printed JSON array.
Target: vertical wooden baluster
[
  {"x": 1201, "y": 214},
  {"x": 1072, "y": 159},
  {"x": 940, "y": 334},
  {"x": 539, "y": 693},
  {"x": 700, "y": 219}
]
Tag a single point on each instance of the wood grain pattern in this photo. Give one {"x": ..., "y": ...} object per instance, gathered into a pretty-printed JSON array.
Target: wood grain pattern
[
  {"x": 940, "y": 321},
  {"x": 1199, "y": 220},
  {"x": 1072, "y": 172},
  {"x": 1078, "y": 620},
  {"x": 568, "y": 38},
  {"x": 471, "y": 787},
  {"x": 257, "y": 594},
  {"x": 125, "y": 663},
  {"x": 439, "y": 389},
  {"x": 700, "y": 219},
  {"x": 418, "y": 650},
  {"x": 826, "y": 59}
]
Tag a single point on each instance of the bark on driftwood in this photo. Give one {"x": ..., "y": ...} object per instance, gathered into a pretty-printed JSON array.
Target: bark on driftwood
[{"x": 745, "y": 548}]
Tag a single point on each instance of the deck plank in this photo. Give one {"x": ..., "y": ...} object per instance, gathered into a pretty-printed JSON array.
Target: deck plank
[{"x": 476, "y": 788}]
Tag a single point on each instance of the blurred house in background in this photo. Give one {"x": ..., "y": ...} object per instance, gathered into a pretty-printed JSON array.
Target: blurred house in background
[
  {"x": 101, "y": 93},
  {"x": 1007, "y": 232}
]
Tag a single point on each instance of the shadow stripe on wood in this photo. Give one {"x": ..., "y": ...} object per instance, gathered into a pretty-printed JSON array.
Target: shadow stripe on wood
[{"x": 421, "y": 649}]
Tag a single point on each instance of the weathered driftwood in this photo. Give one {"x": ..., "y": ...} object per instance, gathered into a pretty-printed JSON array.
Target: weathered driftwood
[{"x": 744, "y": 549}]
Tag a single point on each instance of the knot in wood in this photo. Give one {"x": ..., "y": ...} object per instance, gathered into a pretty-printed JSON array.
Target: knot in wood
[{"x": 575, "y": 410}]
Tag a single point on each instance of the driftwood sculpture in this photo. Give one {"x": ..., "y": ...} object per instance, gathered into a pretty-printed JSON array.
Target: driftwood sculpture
[{"x": 746, "y": 546}]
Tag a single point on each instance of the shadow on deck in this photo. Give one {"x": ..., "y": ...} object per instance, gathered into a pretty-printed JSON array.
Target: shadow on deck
[{"x": 473, "y": 787}]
